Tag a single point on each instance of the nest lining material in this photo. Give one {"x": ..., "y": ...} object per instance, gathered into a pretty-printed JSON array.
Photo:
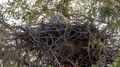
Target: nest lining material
[{"x": 64, "y": 45}]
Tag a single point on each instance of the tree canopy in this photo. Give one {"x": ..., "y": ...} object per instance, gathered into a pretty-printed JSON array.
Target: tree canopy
[{"x": 17, "y": 17}]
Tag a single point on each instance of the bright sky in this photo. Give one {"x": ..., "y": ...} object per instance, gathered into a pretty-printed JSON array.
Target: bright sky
[
  {"x": 11, "y": 20},
  {"x": 3, "y": 1}
]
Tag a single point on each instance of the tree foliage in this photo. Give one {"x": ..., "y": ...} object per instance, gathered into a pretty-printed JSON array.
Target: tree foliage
[{"x": 25, "y": 13}]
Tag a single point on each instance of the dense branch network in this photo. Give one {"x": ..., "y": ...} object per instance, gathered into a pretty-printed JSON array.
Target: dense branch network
[{"x": 60, "y": 45}]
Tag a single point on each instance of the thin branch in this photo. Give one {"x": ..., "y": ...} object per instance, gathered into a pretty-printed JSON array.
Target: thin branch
[
  {"x": 55, "y": 58},
  {"x": 2, "y": 21}
]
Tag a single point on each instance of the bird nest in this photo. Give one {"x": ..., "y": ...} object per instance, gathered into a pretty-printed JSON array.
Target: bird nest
[{"x": 61, "y": 45}]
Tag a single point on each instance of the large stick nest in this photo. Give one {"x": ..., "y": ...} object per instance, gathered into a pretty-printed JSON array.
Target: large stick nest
[{"x": 63, "y": 44}]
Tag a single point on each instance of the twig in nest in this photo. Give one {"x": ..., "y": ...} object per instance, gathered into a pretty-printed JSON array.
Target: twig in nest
[
  {"x": 55, "y": 58},
  {"x": 71, "y": 62}
]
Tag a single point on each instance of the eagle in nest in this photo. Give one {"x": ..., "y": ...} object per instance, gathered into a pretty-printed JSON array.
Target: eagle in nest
[{"x": 59, "y": 19}]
